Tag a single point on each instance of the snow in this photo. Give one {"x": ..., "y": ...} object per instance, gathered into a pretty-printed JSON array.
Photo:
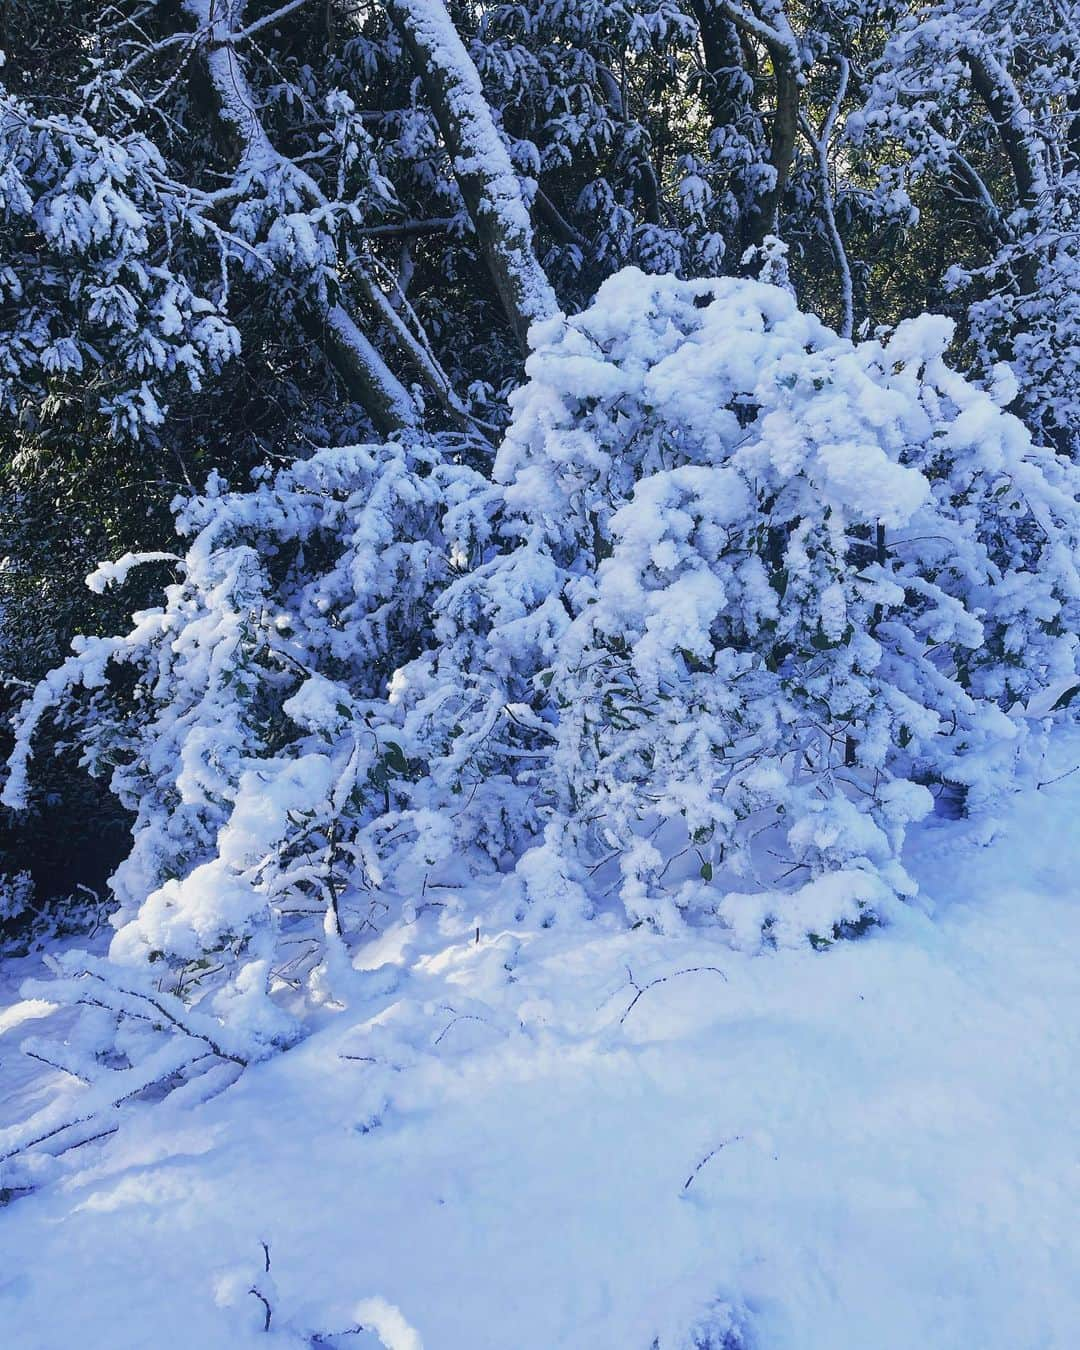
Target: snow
[
  {"x": 477, "y": 973},
  {"x": 586, "y": 1136},
  {"x": 115, "y": 573}
]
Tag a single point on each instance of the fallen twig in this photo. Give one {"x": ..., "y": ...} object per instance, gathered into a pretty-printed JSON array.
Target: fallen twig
[
  {"x": 1060, "y": 776},
  {"x": 459, "y": 1017},
  {"x": 662, "y": 979},
  {"x": 268, "y": 1312},
  {"x": 711, "y": 1154}
]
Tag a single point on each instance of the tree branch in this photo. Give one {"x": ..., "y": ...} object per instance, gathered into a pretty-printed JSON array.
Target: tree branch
[
  {"x": 489, "y": 185},
  {"x": 994, "y": 86},
  {"x": 783, "y": 48},
  {"x": 819, "y": 143},
  {"x": 361, "y": 369}
]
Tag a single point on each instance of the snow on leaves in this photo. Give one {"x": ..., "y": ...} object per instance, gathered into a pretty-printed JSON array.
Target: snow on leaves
[
  {"x": 766, "y": 591},
  {"x": 743, "y": 597}
]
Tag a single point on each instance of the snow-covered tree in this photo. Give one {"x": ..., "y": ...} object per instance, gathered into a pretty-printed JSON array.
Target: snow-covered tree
[
  {"x": 978, "y": 103},
  {"x": 240, "y": 722},
  {"x": 89, "y": 299},
  {"x": 743, "y": 596}
]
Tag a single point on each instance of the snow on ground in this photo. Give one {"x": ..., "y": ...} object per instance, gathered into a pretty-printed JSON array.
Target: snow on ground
[
  {"x": 26, "y": 1085},
  {"x": 868, "y": 1148}
]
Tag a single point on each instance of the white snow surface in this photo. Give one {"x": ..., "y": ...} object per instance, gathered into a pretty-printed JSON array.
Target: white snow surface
[{"x": 501, "y": 1145}]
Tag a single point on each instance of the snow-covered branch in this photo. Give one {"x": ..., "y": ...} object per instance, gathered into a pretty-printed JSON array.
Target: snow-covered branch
[
  {"x": 364, "y": 372},
  {"x": 488, "y": 182},
  {"x": 821, "y": 144}
]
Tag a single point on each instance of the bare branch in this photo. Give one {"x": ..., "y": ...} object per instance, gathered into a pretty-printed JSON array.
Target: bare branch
[
  {"x": 643, "y": 989},
  {"x": 708, "y": 1158}
]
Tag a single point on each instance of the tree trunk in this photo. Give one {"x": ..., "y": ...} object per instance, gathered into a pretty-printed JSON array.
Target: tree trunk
[{"x": 488, "y": 183}]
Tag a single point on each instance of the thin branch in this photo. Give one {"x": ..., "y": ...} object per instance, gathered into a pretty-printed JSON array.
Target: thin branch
[
  {"x": 1068, "y": 772},
  {"x": 708, "y": 1157},
  {"x": 460, "y": 1017},
  {"x": 643, "y": 989},
  {"x": 408, "y": 229},
  {"x": 268, "y": 19},
  {"x": 556, "y": 222},
  {"x": 267, "y": 1310}
]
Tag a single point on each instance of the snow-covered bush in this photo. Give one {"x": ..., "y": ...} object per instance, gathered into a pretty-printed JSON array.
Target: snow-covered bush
[
  {"x": 29, "y": 923},
  {"x": 16, "y": 895},
  {"x": 766, "y": 591},
  {"x": 239, "y": 721},
  {"x": 744, "y": 596}
]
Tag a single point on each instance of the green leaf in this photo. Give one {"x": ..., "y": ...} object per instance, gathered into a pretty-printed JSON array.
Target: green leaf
[
  {"x": 394, "y": 758},
  {"x": 1066, "y": 698}
]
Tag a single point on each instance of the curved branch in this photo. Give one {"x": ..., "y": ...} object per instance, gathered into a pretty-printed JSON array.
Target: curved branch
[
  {"x": 819, "y": 143},
  {"x": 556, "y": 222},
  {"x": 991, "y": 225},
  {"x": 994, "y": 86},
  {"x": 361, "y": 369}
]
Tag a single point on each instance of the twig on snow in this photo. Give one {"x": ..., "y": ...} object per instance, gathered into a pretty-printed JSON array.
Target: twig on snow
[
  {"x": 1060, "y": 776},
  {"x": 662, "y": 979},
  {"x": 459, "y": 1017},
  {"x": 708, "y": 1156},
  {"x": 268, "y": 1312}
]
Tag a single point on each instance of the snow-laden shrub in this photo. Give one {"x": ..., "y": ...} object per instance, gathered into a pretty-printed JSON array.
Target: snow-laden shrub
[
  {"x": 767, "y": 591},
  {"x": 239, "y": 721},
  {"x": 951, "y": 78},
  {"x": 744, "y": 597},
  {"x": 16, "y": 895}
]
